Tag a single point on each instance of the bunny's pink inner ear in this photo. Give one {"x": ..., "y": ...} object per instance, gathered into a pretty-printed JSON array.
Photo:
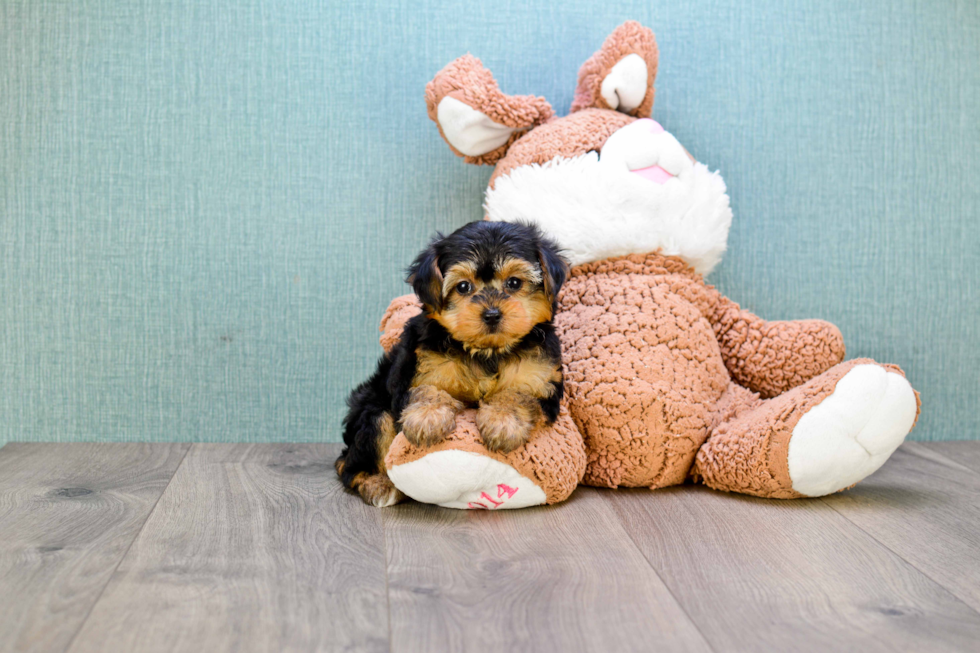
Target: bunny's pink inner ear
[
  {"x": 478, "y": 121},
  {"x": 620, "y": 75}
]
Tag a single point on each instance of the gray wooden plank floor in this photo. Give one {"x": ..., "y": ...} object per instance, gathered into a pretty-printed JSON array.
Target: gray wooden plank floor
[
  {"x": 211, "y": 547},
  {"x": 253, "y": 547},
  {"x": 789, "y": 576},
  {"x": 68, "y": 515},
  {"x": 964, "y": 452},
  {"x": 532, "y": 580},
  {"x": 925, "y": 508}
]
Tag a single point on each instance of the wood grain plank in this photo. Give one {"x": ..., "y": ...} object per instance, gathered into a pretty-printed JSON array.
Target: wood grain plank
[
  {"x": 68, "y": 513},
  {"x": 963, "y": 452},
  {"x": 767, "y": 575},
  {"x": 251, "y": 548},
  {"x": 926, "y": 508},
  {"x": 561, "y": 578}
]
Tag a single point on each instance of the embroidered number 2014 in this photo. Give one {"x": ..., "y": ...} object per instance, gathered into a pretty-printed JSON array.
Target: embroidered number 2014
[{"x": 504, "y": 492}]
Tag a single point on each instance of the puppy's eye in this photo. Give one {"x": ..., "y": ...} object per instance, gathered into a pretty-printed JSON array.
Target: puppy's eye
[
  {"x": 464, "y": 287},
  {"x": 513, "y": 283}
]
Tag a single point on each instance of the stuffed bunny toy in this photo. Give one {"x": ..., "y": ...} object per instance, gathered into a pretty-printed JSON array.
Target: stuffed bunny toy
[{"x": 666, "y": 380}]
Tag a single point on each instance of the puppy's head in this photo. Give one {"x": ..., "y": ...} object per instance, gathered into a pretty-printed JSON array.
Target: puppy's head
[{"x": 489, "y": 283}]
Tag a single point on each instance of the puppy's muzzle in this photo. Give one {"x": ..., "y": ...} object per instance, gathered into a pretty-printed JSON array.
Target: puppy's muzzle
[{"x": 492, "y": 317}]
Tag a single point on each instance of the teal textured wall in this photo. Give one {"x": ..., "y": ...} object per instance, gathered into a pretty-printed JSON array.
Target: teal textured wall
[{"x": 207, "y": 205}]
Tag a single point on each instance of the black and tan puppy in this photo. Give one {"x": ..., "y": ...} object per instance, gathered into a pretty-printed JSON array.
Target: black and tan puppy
[{"x": 484, "y": 339}]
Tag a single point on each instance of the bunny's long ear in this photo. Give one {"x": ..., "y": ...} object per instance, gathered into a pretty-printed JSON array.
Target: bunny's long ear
[
  {"x": 478, "y": 121},
  {"x": 620, "y": 75}
]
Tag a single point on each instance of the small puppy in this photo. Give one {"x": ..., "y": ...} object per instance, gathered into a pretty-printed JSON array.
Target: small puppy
[{"x": 484, "y": 339}]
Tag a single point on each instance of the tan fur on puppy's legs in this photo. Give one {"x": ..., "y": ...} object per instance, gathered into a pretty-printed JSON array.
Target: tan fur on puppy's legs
[
  {"x": 378, "y": 490},
  {"x": 506, "y": 420},
  {"x": 430, "y": 415}
]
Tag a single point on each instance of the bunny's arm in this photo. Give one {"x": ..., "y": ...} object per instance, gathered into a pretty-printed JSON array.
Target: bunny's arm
[{"x": 772, "y": 357}]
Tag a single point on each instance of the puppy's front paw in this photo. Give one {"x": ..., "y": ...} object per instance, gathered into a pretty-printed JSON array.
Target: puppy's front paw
[
  {"x": 502, "y": 428},
  {"x": 425, "y": 427},
  {"x": 377, "y": 490},
  {"x": 430, "y": 416}
]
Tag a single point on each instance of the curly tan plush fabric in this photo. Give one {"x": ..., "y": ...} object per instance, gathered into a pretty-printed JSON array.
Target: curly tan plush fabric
[
  {"x": 400, "y": 311},
  {"x": 666, "y": 379},
  {"x": 643, "y": 368},
  {"x": 647, "y": 349},
  {"x": 773, "y": 357},
  {"x": 580, "y": 132},
  {"x": 629, "y": 38}
]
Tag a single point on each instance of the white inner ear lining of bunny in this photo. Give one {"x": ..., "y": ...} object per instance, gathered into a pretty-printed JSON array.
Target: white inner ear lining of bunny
[
  {"x": 468, "y": 130},
  {"x": 625, "y": 86}
]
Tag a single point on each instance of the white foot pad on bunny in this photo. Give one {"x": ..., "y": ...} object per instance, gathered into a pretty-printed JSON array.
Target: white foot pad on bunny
[
  {"x": 462, "y": 479},
  {"x": 851, "y": 433}
]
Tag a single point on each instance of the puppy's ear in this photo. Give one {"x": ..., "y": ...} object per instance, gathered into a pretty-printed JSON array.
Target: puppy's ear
[
  {"x": 554, "y": 268},
  {"x": 426, "y": 278}
]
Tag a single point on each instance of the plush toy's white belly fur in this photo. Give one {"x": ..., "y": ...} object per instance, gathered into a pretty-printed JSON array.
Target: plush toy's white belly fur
[
  {"x": 598, "y": 207},
  {"x": 462, "y": 479}
]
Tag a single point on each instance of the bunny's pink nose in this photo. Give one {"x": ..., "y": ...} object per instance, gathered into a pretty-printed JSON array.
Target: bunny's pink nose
[
  {"x": 654, "y": 173},
  {"x": 651, "y": 124}
]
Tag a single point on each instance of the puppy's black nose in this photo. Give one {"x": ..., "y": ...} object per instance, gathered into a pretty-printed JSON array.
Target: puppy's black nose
[{"x": 492, "y": 316}]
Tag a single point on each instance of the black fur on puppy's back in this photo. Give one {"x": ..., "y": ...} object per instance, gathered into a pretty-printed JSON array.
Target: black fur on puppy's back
[{"x": 366, "y": 405}]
